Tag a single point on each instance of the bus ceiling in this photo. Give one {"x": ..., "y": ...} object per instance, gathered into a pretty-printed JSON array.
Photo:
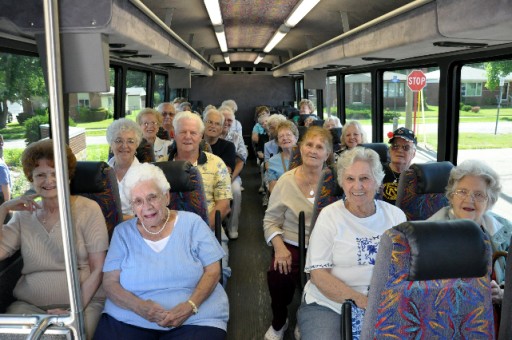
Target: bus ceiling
[{"x": 135, "y": 31}]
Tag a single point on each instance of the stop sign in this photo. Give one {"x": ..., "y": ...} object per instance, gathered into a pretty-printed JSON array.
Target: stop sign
[{"x": 416, "y": 80}]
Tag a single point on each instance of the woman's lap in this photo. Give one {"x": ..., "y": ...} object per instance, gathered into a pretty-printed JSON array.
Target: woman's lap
[
  {"x": 319, "y": 322},
  {"x": 109, "y": 328}
]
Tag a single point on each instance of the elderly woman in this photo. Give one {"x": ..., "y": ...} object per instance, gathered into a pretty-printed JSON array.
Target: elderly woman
[
  {"x": 35, "y": 229},
  {"x": 150, "y": 121},
  {"x": 236, "y": 126},
  {"x": 351, "y": 136},
  {"x": 124, "y": 136},
  {"x": 162, "y": 271},
  {"x": 258, "y": 128},
  {"x": 343, "y": 247},
  {"x": 306, "y": 110},
  {"x": 473, "y": 189},
  {"x": 332, "y": 122},
  {"x": 287, "y": 136},
  {"x": 294, "y": 192}
]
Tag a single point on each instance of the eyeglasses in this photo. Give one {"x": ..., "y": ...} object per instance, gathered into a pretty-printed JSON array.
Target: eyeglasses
[
  {"x": 164, "y": 113},
  {"x": 209, "y": 122},
  {"x": 146, "y": 124},
  {"x": 128, "y": 142},
  {"x": 151, "y": 199},
  {"x": 477, "y": 196},
  {"x": 404, "y": 147}
]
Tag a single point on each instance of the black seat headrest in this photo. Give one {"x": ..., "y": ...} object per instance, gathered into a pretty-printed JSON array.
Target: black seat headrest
[
  {"x": 381, "y": 148},
  {"x": 432, "y": 177},
  {"x": 178, "y": 175},
  {"x": 445, "y": 249},
  {"x": 88, "y": 178},
  {"x": 336, "y": 134}
]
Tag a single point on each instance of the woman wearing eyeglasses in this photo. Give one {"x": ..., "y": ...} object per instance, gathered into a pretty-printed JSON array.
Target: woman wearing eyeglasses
[
  {"x": 124, "y": 136},
  {"x": 402, "y": 150},
  {"x": 162, "y": 270},
  {"x": 150, "y": 121},
  {"x": 473, "y": 189}
]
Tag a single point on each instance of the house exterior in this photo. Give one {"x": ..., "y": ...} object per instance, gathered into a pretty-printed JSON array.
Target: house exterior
[
  {"x": 358, "y": 89},
  {"x": 473, "y": 90}
]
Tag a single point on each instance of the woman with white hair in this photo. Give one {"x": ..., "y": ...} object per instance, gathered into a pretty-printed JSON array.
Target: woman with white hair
[
  {"x": 343, "y": 246},
  {"x": 150, "y": 121},
  {"x": 473, "y": 189},
  {"x": 124, "y": 136},
  {"x": 162, "y": 270},
  {"x": 237, "y": 126}
]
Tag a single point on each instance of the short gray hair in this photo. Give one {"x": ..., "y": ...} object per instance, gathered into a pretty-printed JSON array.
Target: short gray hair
[
  {"x": 336, "y": 120},
  {"x": 231, "y": 103},
  {"x": 348, "y": 158},
  {"x": 176, "y": 123},
  {"x": 149, "y": 111},
  {"x": 214, "y": 112},
  {"x": 275, "y": 119},
  {"x": 123, "y": 124},
  {"x": 145, "y": 172},
  {"x": 225, "y": 108},
  {"x": 473, "y": 167},
  {"x": 358, "y": 126}
]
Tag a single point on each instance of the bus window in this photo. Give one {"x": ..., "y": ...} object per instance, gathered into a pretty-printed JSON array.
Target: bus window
[
  {"x": 485, "y": 123},
  {"x": 417, "y": 111},
  {"x": 135, "y": 92},
  {"x": 330, "y": 97},
  {"x": 91, "y": 114},
  {"x": 358, "y": 101},
  {"x": 159, "y": 90},
  {"x": 24, "y": 109}
]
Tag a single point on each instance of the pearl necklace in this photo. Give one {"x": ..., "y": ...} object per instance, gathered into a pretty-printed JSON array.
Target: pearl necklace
[{"x": 161, "y": 229}]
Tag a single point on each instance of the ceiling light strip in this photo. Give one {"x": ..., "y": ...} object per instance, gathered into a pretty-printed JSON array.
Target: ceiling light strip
[
  {"x": 300, "y": 11},
  {"x": 213, "y": 8}
]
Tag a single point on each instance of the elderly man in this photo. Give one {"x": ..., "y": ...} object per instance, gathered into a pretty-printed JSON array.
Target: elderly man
[
  {"x": 189, "y": 128},
  {"x": 402, "y": 150},
  {"x": 168, "y": 112},
  {"x": 236, "y": 181},
  {"x": 214, "y": 123}
]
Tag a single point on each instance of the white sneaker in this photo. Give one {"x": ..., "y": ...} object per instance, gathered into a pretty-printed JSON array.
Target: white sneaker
[
  {"x": 296, "y": 332},
  {"x": 272, "y": 334},
  {"x": 233, "y": 235}
]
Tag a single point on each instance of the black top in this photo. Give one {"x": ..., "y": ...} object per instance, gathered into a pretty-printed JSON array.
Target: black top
[
  {"x": 390, "y": 185},
  {"x": 226, "y": 151}
]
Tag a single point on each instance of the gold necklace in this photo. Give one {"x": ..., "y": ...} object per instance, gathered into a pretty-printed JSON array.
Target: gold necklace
[{"x": 161, "y": 229}]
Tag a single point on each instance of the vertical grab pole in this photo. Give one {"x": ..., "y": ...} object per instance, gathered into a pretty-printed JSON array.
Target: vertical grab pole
[
  {"x": 302, "y": 248},
  {"x": 51, "y": 27}
]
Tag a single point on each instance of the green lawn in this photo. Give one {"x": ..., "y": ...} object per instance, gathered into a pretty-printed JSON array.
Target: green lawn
[{"x": 471, "y": 140}]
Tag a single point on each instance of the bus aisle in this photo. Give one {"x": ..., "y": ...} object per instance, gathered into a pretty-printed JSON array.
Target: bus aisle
[{"x": 249, "y": 300}]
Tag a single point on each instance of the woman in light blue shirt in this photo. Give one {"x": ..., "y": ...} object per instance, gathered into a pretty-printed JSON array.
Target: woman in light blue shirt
[{"x": 162, "y": 270}]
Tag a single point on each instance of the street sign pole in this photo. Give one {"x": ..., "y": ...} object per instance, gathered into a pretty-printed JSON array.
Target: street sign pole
[{"x": 502, "y": 82}]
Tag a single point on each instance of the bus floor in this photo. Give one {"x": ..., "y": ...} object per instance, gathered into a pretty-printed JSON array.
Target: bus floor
[{"x": 249, "y": 257}]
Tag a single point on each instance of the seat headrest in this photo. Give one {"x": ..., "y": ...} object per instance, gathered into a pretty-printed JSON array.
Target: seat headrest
[
  {"x": 336, "y": 134},
  {"x": 381, "y": 148},
  {"x": 88, "y": 178},
  {"x": 432, "y": 177},
  {"x": 178, "y": 175},
  {"x": 445, "y": 249}
]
